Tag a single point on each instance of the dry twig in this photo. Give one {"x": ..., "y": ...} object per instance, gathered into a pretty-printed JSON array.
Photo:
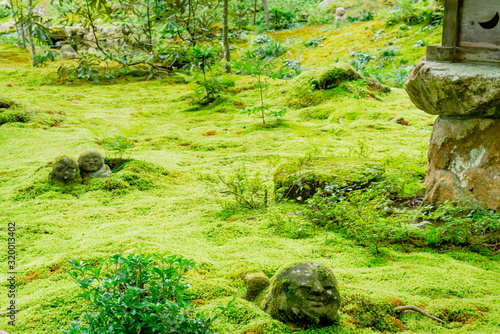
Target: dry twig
[
  {"x": 422, "y": 312},
  {"x": 15, "y": 310}
]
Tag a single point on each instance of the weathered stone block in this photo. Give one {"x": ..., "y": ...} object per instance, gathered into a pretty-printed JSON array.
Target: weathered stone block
[
  {"x": 455, "y": 89},
  {"x": 464, "y": 159}
]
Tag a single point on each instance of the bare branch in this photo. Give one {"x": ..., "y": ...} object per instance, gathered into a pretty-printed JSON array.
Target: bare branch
[{"x": 416, "y": 309}]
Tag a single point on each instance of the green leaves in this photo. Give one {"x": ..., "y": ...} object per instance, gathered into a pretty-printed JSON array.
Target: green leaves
[{"x": 137, "y": 293}]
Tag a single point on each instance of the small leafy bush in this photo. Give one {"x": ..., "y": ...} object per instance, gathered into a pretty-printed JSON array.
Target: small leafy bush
[
  {"x": 258, "y": 67},
  {"x": 360, "y": 60},
  {"x": 289, "y": 69},
  {"x": 388, "y": 53},
  {"x": 133, "y": 294},
  {"x": 414, "y": 12},
  {"x": 210, "y": 86},
  {"x": 249, "y": 190},
  {"x": 4, "y": 11},
  {"x": 313, "y": 42},
  {"x": 365, "y": 16},
  {"x": 399, "y": 75},
  {"x": 280, "y": 18},
  {"x": 267, "y": 50},
  {"x": 42, "y": 58},
  {"x": 262, "y": 39},
  {"x": 317, "y": 15},
  {"x": 465, "y": 224},
  {"x": 361, "y": 214},
  {"x": 419, "y": 44}
]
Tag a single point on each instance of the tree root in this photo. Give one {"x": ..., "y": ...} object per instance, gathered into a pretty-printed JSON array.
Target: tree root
[{"x": 416, "y": 309}]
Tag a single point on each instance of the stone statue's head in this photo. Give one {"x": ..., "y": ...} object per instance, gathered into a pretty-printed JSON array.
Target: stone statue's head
[
  {"x": 90, "y": 161},
  {"x": 306, "y": 294},
  {"x": 65, "y": 169}
]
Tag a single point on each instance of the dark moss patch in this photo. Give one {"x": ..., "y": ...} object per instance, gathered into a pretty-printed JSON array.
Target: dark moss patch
[
  {"x": 116, "y": 165},
  {"x": 4, "y": 105}
]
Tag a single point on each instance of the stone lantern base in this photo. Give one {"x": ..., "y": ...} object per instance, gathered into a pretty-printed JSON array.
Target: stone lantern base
[
  {"x": 464, "y": 159},
  {"x": 464, "y": 150}
]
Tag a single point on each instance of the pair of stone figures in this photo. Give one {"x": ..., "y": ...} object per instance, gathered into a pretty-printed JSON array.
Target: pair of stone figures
[{"x": 67, "y": 170}]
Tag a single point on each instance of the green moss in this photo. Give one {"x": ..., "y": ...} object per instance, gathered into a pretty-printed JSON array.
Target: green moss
[
  {"x": 57, "y": 224},
  {"x": 12, "y": 116},
  {"x": 331, "y": 76},
  {"x": 370, "y": 312}
]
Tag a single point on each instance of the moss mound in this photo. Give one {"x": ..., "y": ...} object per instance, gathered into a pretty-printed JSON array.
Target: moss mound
[
  {"x": 300, "y": 182},
  {"x": 331, "y": 76},
  {"x": 13, "y": 112},
  {"x": 239, "y": 316},
  {"x": 131, "y": 175},
  {"x": 315, "y": 87}
]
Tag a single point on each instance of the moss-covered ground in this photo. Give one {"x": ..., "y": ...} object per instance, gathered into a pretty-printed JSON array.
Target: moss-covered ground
[{"x": 165, "y": 200}]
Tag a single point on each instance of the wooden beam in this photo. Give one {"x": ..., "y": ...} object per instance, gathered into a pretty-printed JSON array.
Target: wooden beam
[{"x": 450, "y": 27}]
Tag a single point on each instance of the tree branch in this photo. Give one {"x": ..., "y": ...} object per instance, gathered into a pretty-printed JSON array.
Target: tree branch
[{"x": 416, "y": 309}]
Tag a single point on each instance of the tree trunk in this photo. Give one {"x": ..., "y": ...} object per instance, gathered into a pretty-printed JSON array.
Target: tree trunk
[
  {"x": 266, "y": 10},
  {"x": 30, "y": 33},
  {"x": 225, "y": 36},
  {"x": 254, "y": 11},
  {"x": 20, "y": 16},
  {"x": 14, "y": 15}
]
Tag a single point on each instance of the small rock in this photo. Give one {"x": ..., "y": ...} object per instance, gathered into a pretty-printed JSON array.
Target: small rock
[
  {"x": 255, "y": 283},
  {"x": 67, "y": 52}
]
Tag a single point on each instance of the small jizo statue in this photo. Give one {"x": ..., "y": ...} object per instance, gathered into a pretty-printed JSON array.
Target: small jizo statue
[
  {"x": 340, "y": 15},
  {"x": 304, "y": 294},
  {"x": 92, "y": 165},
  {"x": 65, "y": 171}
]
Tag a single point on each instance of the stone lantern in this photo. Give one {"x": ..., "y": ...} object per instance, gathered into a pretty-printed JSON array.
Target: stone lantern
[{"x": 460, "y": 81}]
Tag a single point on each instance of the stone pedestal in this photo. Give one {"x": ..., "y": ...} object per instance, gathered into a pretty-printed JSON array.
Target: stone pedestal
[{"x": 464, "y": 150}]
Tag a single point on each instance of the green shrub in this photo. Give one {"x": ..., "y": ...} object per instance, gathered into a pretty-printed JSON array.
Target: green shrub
[
  {"x": 313, "y": 42},
  {"x": 365, "y": 16},
  {"x": 317, "y": 15},
  {"x": 262, "y": 39},
  {"x": 267, "y": 50},
  {"x": 360, "y": 60},
  {"x": 136, "y": 294},
  {"x": 280, "y": 18},
  {"x": 247, "y": 189},
  {"x": 4, "y": 11},
  {"x": 289, "y": 69},
  {"x": 465, "y": 223},
  {"x": 414, "y": 12}
]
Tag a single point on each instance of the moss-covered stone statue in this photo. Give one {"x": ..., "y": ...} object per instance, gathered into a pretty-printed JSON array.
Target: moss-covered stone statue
[
  {"x": 92, "y": 165},
  {"x": 304, "y": 294},
  {"x": 65, "y": 171}
]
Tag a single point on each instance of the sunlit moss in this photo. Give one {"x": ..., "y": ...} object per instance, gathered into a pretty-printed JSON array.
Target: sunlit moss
[{"x": 169, "y": 206}]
